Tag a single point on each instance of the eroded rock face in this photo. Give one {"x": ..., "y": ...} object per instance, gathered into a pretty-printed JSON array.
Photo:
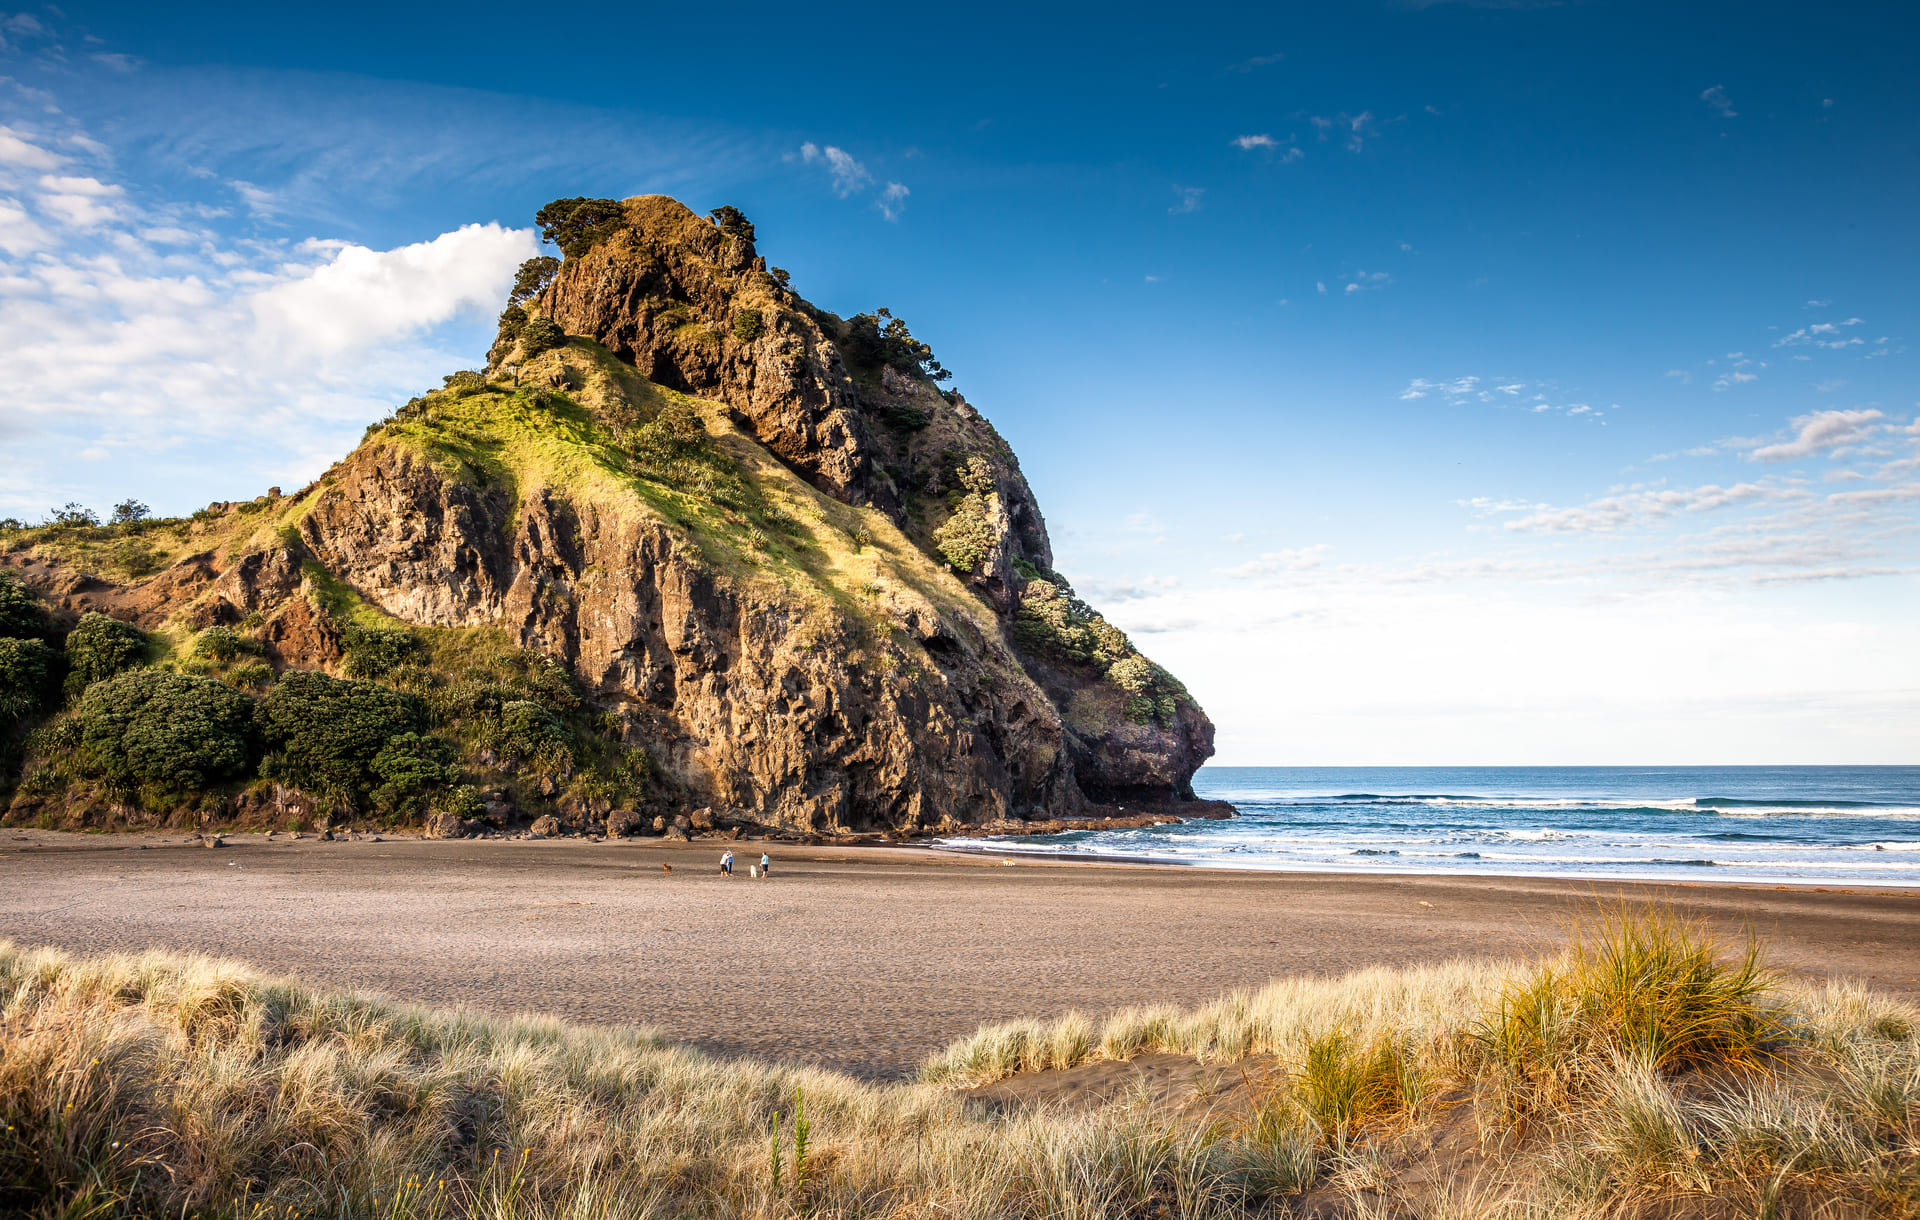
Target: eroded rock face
[
  {"x": 667, "y": 295},
  {"x": 757, "y": 706}
]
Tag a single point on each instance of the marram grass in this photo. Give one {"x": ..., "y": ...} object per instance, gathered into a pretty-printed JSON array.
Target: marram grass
[{"x": 1647, "y": 1071}]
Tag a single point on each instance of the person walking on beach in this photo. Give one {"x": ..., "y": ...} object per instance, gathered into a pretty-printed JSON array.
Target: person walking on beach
[
  {"x": 726, "y": 862},
  {"x": 766, "y": 865}
]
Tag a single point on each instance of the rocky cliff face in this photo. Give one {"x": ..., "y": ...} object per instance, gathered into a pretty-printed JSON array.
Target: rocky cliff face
[{"x": 811, "y": 587}]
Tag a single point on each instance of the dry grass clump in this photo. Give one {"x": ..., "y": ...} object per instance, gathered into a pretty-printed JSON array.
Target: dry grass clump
[
  {"x": 153, "y": 1084},
  {"x": 1648, "y": 1071}
]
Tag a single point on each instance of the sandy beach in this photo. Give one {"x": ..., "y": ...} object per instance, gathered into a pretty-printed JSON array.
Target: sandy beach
[{"x": 862, "y": 959}]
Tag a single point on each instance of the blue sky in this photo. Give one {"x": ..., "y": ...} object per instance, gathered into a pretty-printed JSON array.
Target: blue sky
[{"x": 1422, "y": 382}]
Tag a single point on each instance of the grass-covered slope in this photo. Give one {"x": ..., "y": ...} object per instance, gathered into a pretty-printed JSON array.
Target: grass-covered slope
[{"x": 1651, "y": 1072}]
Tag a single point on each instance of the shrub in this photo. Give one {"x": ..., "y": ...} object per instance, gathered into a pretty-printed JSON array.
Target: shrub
[
  {"x": 527, "y": 729},
  {"x": 29, "y": 677},
  {"x": 748, "y": 325},
  {"x": 373, "y": 651},
  {"x": 220, "y": 644},
  {"x": 101, "y": 647},
  {"x": 732, "y": 221},
  {"x": 73, "y": 514},
  {"x": 322, "y": 734},
  {"x": 171, "y": 730},
  {"x": 129, "y": 512},
  {"x": 412, "y": 767},
  {"x": 464, "y": 382},
  {"x": 576, "y": 225},
  {"x": 968, "y": 537},
  {"x": 513, "y": 320},
  {"x": 541, "y": 334},
  {"x": 21, "y": 615},
  {"x": 135, "y": 556},
  {"x": 253, "y": 674},
  {"x": 531, "y": 280},
  {"x": 877, "y": 338}
]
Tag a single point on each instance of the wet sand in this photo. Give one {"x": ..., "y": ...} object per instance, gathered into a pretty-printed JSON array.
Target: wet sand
[{"x": 862, "y": 959}]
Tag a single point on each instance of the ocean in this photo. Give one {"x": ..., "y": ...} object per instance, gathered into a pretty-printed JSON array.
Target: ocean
[{"x": 1846, "y": 825}]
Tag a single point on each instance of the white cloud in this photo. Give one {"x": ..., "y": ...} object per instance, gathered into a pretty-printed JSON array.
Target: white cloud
[
  {"x": 1360, "y": 281},
  {"x": 19, "y": 235},
  {"x": 1823, "y": 334},
  {"x": 84, "y": 203},
  {"x": 892, "y": 200},
  {"x": 17, "y": 150},
  {"x": 848, "y": 174},
  {"x": 1640, "y": 505},
  {"x": 1192, "y": 198},
  {"x": 367, "y": 298},
  {"x": 1830, "y": 432},
  {"x": 1717, "y": 101},
  {"x": 1250, "y": 143}
]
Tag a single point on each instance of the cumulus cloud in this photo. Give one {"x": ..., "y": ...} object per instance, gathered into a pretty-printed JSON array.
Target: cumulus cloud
[
  {"x": 1250, "y": 143},
  {"x": 1717, "y": 101},
  {"x": 17, "y": 150},
  {"x": 119, "y": 336},
  {"x": 1830, "y": 432}
]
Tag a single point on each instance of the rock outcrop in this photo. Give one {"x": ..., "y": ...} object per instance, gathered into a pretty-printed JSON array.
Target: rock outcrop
[{"x": 827, "y": 606}]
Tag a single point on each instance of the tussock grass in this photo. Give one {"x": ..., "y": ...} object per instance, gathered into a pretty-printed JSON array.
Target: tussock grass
[{"x": 1650, "y": 1070}]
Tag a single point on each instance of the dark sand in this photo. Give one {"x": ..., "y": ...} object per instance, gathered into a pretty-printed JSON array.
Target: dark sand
[{"x": 863, "y": 959}]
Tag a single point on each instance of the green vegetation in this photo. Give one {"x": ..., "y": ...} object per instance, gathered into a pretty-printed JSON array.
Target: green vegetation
[
  {"x": 100, "y": 647},
  {"x": 373, "y": 652},
  {"x": 967, "y": 537},
  {"x": 541, "y": 334},
  {"x": 871, "y": 340},
  {"x": 29, "y": 678},
  {"x": 1051, "y": 622},
  {"x": 748, "y": 325},
  {"x": 173, "y": 732},
  {"x": 578, "y": 224},
  {"x": 532, "y": 279},
  {"x": 732, "y": 221},
  {"x": 322, "y": 734},
  {"x": 146, "y": 1085},
  {"x": 21, "y": 615}
]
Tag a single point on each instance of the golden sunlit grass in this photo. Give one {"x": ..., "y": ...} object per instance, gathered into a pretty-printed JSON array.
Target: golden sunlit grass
[{"x": 1648, "y": 1070}]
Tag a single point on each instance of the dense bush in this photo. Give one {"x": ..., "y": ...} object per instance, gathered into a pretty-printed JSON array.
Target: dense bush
[
  {"x": 513, "y": 320},
  {"x": 373, "y": 651},
  {"x": 29, "y": 678},
  {"x": 129, "y": 512},
  {"x": 541, "y": 335},
  {"x": 412, "y": 768},
  {"x": 221, "y": 644},
  {"x": 171, "y": 730},
  {"x": 967, "y": 538},
  {"x": 21, "y": 615},
  {"x": 532, "y": 279},
  {"x": 322, "y": 734},
  {"x": 732, "y": 221},
  {"x": 748, "y": 325},
  {"x": 101, "y": 647},
  {"x": 576, "y": 225},
  {"x": 878, "y": 338}
]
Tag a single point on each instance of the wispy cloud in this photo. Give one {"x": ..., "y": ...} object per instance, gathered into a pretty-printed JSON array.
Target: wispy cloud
[
  {"x": 848, "y": 174},
  {"x": 1300, "y": 559},
  {"x": 892, "y": 200},
  {"x": 1639, "y": 505},
  {"x": 1360, "y": 281},
  {"x": 1257, "y": 62},
  {"x": 1717, "y": 101},
  {"x": 1191, "y": 199},
  {"x": 1824, "y": 334},
  {"x": 1353, "y": 129},
  {"x": 1538, "y": 398}
]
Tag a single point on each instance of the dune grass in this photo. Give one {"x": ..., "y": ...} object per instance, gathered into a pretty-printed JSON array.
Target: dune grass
[{"x": 1650, "y": 1070}]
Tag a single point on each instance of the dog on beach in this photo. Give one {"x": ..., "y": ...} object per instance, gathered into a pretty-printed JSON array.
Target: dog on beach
[{"x": 667, "y": 869}]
